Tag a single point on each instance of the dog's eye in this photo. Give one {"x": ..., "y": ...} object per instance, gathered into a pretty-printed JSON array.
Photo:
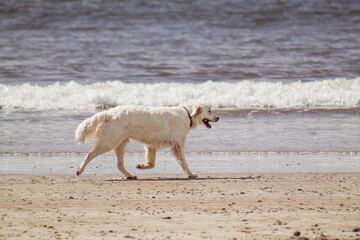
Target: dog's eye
[{"x": 209, "y": 111}]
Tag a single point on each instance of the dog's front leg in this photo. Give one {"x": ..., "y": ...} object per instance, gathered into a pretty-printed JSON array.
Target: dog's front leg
[
  {"x": 178, "y": 152},
  {"x": 150, "y": 159}
]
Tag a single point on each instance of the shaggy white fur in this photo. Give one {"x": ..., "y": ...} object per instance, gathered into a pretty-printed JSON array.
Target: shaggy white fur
[{"x": 155, "y": 127}]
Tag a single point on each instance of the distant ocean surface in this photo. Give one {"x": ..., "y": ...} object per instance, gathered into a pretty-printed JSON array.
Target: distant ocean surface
[{"x": 284, "y": 76}]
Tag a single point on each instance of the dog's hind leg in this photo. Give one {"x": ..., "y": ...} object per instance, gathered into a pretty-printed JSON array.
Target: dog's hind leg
[
  {"x": 150, "y": 158},
  {"x": 119, "y": 152},
  {"x": 99, "y": 149},
  {"x": 178, "y": 152}
]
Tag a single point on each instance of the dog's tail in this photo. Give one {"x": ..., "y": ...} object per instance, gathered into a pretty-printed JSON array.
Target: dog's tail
[{"x": 88, "y": 128}]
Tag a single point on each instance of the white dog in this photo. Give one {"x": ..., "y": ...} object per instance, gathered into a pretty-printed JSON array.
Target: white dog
[{"x": 155, "y": 127}]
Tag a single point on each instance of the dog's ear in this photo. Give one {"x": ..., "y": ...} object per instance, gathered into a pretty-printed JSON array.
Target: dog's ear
[{"x": 197, "y": 111}]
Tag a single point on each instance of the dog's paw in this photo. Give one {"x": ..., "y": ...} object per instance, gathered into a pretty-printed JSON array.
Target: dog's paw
[
  {"x": 78, "y": 172},
  {"x": 132, "y": 177},
  {"x": 140, "y": 166},
  {"x": 193, "y": 176},
  {"x": 144, "y": 165}
]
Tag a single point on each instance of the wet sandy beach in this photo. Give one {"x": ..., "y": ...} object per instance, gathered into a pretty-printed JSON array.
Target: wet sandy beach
[{"x": 232, "y": 206}]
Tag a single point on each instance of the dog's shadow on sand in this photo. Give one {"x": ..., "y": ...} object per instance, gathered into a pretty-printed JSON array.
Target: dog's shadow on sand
[{"x": 165, "y": 179}]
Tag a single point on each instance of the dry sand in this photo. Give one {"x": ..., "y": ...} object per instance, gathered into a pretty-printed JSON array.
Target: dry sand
[{"x": 265, "y": 206}]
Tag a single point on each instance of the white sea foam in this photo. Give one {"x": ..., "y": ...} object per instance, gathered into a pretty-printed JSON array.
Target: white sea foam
[{"x": 336, "y": 93}]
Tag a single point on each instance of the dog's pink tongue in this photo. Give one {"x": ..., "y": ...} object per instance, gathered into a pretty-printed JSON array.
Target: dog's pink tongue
[{"x": 207, "y": 124}]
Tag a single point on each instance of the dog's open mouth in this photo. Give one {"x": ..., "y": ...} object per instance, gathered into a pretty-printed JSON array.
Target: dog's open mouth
[{"x": 206, "y": 122}]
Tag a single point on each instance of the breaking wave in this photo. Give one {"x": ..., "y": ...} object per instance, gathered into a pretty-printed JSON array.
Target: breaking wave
[{"x": 331, "y": 94}]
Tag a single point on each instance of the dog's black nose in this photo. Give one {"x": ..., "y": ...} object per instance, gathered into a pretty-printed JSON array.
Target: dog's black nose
[{"x": 217, "y": 119}]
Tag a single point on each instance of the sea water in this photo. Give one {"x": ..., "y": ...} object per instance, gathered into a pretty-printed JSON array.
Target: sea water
[{"x": 283, "y": 76}]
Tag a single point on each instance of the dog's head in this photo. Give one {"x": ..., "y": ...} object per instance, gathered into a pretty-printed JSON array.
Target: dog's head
[{"x": 203, "y": 114}]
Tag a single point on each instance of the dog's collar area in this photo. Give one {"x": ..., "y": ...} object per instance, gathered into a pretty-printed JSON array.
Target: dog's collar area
[{"x": 191, "y": 122}]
